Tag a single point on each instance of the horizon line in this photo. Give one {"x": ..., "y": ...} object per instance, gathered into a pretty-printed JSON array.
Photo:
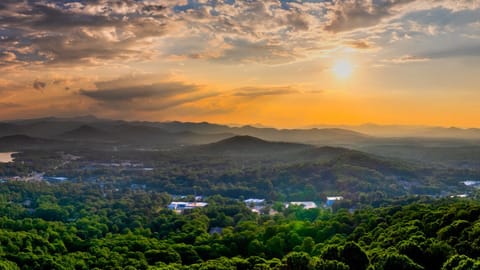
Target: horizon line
[{"x": 239, "y": 125}]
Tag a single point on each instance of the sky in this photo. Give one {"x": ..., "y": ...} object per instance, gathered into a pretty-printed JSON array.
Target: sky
[{"x": 278, "y": 63}]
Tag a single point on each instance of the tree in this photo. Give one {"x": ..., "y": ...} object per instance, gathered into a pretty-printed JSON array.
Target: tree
[
  {"x": 331, "y": 252},
  {"x": 354, "y": 256},
  {"x": 275, "y": 247},
  {"x": 255, "y": 247},
  {"x": 187, "y": 253},
  {"x": 394, "y": 261},
  {"x": 436, "y": 254},
  {"x": 297, "y": 261},
  {"x": 308, "y": 244},
  {"x": 461, "y": 262},
  {"x": 319, "y": 264},
  {"x": 412, "y": 250},
  {"x": 8, "y": 265},
  {"x": 166, "y": 255}
]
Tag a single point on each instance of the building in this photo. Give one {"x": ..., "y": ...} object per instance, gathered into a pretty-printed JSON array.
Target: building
[
  {"x": 254, "y": 201},
  {"x": 179, "y": 207},
  {"x": 306, "y": 205},
  {"x": 255, "y": 205},
  {"x": 332, "y": 200}
]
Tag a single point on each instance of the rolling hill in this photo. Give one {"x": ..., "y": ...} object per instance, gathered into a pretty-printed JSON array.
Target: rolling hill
[
  {"x": 20, "y": 142},
  {"x": 249, "y": 146},
  {"x": 87, "y": 133}
]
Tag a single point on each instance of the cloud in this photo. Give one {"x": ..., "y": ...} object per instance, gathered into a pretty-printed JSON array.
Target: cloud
[
  {"x": 11, "y": 86},
  {"x": 7, "y": 56},
  {"x": 359, "y": 44},
  {"x": 263, "y": 51},
  {"x": 269, "y": 32},
  {"x": 181, "y": 101},
  {"x": 144, "y": 93},
  {"x": 9, "y": 61},
  {"x": 127, "y": 94},
  {"x": 409, "y": 59},
  {"x": 353, "y": 14},
  {"x": 39, "y": 85},
  {"x": 75, "y": 32},
  {"x": 10, "y": 105},
  {"x": 254, "y": 92},
  {"x": 98, "y": 32}
]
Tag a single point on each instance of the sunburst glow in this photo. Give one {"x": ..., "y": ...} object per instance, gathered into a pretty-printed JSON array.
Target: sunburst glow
[{"x": 342, "y": 68}]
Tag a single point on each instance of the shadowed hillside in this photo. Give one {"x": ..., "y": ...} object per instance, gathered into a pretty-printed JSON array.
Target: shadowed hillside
[{"x": 248, "y": 145}]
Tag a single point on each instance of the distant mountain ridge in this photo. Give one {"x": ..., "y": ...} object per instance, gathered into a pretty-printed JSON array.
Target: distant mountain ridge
[
  {"x": 90, "y": 128},
  {"x": 402, "y": 131},
  {"x": 94, "y": 132}
]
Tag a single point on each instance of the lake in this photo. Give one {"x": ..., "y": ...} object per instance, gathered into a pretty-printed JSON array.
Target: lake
[{"x": 6, "y": 157}]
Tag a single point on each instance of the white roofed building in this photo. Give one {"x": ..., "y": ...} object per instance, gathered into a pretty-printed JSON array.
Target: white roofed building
[
  {"x": 333, "y": 199},
  {"x": 306, "y": 205},
  {"x": 181, "y": 206}
]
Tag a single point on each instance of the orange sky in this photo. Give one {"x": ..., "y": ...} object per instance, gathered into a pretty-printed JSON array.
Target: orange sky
[{"x": 244, "y": 62}]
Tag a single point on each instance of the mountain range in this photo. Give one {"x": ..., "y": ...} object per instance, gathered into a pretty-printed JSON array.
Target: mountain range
[
  {"x": 446, "y": 146},
  {"x": 157, "y": 134}
]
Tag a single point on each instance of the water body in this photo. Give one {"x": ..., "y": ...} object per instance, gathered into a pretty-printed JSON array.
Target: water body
[{"x": 6, "y": 157}]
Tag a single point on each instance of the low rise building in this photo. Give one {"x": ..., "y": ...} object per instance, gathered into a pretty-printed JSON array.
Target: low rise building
[
  {"x": 255, "y": 205},
  {"x": 179, "y": 207},
  {"x": 306, "y": 204},
  {"x": 331, "y": 200}
]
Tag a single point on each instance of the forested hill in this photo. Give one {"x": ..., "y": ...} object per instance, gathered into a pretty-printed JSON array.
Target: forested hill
[
  {"x": 72, "y": 226},
  {"x": 251, "y": 146}
]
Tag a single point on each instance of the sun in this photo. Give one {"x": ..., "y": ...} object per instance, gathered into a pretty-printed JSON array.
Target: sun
[{"x": 342, "y": 68}]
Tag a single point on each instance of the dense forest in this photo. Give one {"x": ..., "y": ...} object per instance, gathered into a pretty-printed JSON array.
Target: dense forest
[{"x": 74, "y": 226}]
